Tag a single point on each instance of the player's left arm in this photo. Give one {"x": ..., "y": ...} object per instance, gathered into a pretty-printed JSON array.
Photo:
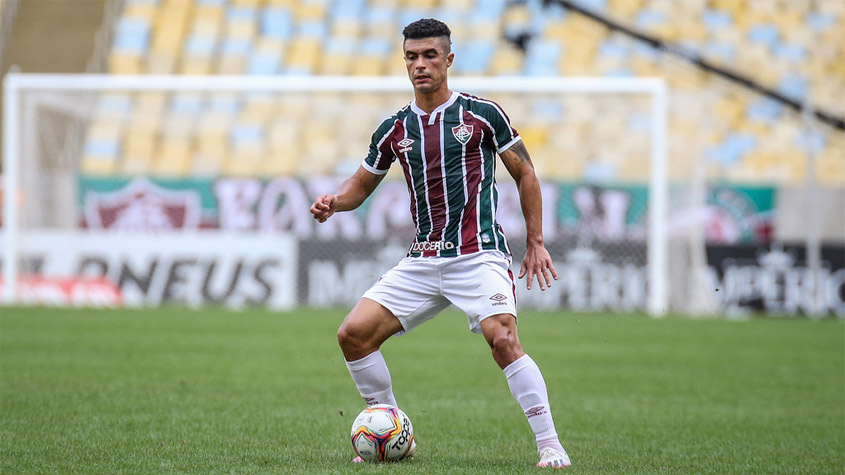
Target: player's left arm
[{"x": 537, "y": 260}]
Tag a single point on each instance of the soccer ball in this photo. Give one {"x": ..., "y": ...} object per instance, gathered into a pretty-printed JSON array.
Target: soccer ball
[{"x": 382, "y": 433}]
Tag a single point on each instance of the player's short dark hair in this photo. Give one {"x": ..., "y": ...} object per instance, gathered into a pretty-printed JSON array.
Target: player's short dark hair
[{"x": 428, "y": 28}]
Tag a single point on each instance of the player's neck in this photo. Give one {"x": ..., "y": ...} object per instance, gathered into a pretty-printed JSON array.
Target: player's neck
[{"x": 428, "y": 101}]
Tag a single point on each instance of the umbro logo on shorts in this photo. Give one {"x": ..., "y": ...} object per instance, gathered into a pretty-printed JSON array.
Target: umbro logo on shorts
[{"x": 498, "y": 297}]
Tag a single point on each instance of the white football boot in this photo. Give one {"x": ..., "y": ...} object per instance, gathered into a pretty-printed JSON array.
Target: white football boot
[{"x": 552, "y": 458}]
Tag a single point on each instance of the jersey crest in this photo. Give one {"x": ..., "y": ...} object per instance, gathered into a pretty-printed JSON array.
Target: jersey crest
[{"x": 462, "y": 133}]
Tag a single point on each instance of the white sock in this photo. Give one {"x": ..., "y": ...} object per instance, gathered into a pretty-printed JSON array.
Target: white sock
[
  {"x": 529, "y": 389},
  {"x": 372, "y": 379}
]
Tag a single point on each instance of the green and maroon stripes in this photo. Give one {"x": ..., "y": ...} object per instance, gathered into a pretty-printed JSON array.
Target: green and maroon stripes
[{"x": 449, "y": 162}]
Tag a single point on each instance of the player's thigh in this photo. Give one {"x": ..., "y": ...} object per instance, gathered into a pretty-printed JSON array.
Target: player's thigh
[{"x": 410, "y": 291}]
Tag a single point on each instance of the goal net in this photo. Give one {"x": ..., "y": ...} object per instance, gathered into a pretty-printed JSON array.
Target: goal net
[{"x": 148, "y": 190}]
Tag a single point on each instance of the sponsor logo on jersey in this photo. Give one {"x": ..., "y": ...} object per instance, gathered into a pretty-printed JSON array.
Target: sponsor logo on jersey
[
  {"x": 405, "y": 144},
  {"x": 431, "y": 246},
  {"x": 462, "y": 133}
]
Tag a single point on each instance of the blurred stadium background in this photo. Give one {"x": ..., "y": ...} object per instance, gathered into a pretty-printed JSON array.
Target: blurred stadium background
[{"x": 215, "y": 186}]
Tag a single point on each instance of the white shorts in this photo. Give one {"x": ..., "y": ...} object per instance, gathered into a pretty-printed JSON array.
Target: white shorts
[{"x": 418, "y": 288}]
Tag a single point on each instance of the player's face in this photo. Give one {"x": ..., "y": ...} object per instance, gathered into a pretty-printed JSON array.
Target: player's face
[{"x": 427, "y": 62}]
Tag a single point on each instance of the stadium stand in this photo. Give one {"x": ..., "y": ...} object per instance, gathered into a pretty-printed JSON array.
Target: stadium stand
[{"x": 793, "y": 47}]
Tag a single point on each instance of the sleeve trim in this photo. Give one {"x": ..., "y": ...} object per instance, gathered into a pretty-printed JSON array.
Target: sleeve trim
[
  {"x": 372, "y": 169},
  {"x": 509, "y": 144}
]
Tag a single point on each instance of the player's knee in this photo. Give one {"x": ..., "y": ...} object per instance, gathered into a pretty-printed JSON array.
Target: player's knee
[
  {"x": 503, "y": 343},
  {"x": 353, "y": 339},
  {"x": 347, "y": 337}
]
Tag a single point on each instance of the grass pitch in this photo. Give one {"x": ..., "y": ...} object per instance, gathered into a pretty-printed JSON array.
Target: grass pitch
[{"x": 212, "y": 391}]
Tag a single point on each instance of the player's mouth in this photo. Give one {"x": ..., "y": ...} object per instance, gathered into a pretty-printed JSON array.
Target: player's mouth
[{"x": 422, "y": 78}]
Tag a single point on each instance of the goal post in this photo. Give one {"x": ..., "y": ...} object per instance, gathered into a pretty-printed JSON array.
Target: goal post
[{"x": 28, "y": 146}]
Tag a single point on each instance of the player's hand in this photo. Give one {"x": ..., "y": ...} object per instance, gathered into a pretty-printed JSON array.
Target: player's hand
[
  {"x": 323, "y": 207},
  {"x": 538, "y": 263}
]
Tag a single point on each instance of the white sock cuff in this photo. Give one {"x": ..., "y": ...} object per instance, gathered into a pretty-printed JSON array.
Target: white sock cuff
[
  {"x": 373, "y": 358},
  {"x": 520, "y": 363}
]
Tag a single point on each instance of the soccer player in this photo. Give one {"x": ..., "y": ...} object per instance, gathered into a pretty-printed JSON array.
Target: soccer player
[{"x": 446, "y": 143}]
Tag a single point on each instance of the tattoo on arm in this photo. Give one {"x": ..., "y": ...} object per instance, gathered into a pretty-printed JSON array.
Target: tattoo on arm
[
  {"x": 520, "y": 151},
  {"x": 515, "y": 157}
]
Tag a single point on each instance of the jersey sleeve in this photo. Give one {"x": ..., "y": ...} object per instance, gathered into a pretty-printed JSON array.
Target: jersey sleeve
[
  {"x": 381, "y": 155},
  {"x": 504, "y": 135}
]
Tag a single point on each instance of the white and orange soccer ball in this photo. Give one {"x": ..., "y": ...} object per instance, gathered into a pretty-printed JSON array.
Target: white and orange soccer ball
[{"x": 382, "y": 433}]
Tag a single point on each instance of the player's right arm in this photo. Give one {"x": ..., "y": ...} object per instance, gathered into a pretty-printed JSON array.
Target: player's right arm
[{"x": 351, "y": 194}]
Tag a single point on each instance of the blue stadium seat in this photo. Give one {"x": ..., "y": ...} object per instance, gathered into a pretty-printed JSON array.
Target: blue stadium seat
[
  {"x": 132, "y": 35},
  {"x": 765, "y": 33},
  {"x": 263, "y": 63},
  {"x": 716, "y": 20},
  {"x": 732, "y": 149},
  {"x": 542, "y": 58},
  {"x": 764, "y": 110},
  {"x": 200, "y": 45},
  {"x": 276, "y": 23}
]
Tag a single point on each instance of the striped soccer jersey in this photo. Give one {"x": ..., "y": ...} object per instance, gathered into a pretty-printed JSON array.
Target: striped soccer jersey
[{"x": 449, "y": 161}]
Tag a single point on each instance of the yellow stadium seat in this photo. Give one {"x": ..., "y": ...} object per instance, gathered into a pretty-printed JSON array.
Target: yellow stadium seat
[
  {"x": 231, "y": 65},
  {"x": 208, "y": 12},
  {"x": 98, "y": 165},
  {"x": 304, "y": 54},
  {"x": 460, "y": 5},
  {"x": 173, "y": 159},
  {"x": 124, "y": 63},
  {"x": 346, "y": 28},
  {"x": 309, "y": 11},
  {"x": 394, "y": 63},
  {"x": 245, "y": 160},
  {"x": 507, "y": 60},
  {"x": 149, "y": 105},
  {"x": 335, "y": 63},
  {"x": 196, "y": 64},
  {"x": 534, "y": 136},
  {"x": 241, "y": 29},
  {"x": 258, "y": 110},
  {"x": 282, "y": 3},
  {"x": 517, "y": 15},
  {"x": 144, "y": 10},
  {"x": 167, "y": 38},
  {"x": 831, "y": 167},
  {"x": 370, "y": 65},
  {"x": 425, "y": 4},
  {"x": 490, "y": 30},
  {"x": 139, "y": 143}
]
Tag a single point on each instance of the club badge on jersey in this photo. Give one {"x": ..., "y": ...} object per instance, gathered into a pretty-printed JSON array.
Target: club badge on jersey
[{"x": 462, "y": 133}]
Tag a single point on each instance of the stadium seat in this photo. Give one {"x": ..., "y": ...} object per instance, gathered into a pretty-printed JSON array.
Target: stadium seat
[
  {"x": 304, "y": 55},
  {"x": 789, "y": 46},
  {"x": 173, "y": 159}
]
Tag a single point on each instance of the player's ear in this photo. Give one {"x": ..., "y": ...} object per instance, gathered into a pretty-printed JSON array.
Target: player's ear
[{"x": 449, "y": 58}]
